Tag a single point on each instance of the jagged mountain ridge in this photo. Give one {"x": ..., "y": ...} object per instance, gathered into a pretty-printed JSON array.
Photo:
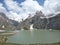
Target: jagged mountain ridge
[
  {"x": 31, "y": 20},
  {"x": 40, "y": 21}
]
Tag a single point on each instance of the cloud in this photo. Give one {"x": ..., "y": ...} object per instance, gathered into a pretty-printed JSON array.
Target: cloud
[
  {"x": 2, "y": 9},
  {"x": 31, "y": 5},
  {"x": 51, "y": 6},
  {"x": 12, "y": 5},
  {"x": 14, "y": 16},
  {"x": 17, "y": 11},
  {"x": 14, "y": 10},
  {"x": 27, "y": 7}
]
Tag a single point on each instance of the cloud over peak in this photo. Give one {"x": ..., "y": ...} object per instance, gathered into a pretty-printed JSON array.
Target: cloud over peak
[
  {"x": 17, "y": 11},
  {"x": 23, "y": 9}
]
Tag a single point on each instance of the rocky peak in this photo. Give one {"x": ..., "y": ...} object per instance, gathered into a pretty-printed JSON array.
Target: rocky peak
[{"x": 40, "y": 13}]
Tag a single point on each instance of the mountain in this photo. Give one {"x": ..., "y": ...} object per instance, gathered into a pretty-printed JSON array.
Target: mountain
[
  {"x": 6, "y": 23},
  {"x": 49, "y": 23},
  {"x": 40, "y": 21},
  {"x": 31, "y": 20}
]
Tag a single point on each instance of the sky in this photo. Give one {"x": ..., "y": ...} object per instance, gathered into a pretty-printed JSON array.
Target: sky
[{"x": 20, "y": 9}]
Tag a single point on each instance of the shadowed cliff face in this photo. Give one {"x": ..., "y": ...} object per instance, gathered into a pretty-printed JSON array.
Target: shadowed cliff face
[
  {"x": 49, "y": 23},
  {"x": 54, "y": 22}
]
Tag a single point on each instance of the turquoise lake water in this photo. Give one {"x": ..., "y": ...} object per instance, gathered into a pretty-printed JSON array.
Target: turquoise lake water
[{"x": 35, "y": 36}]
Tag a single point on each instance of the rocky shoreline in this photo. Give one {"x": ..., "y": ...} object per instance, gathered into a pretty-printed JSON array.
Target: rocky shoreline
[{"x": 29, "y": 44}]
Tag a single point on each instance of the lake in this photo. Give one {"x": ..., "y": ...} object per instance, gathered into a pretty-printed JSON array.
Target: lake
[{"x": 35, "y": 36}]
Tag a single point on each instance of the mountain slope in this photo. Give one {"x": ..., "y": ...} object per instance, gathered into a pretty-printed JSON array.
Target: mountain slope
[
  {"x": 49, "y": 23},
  {"x": 6, "y": 23},
  {"x": 40, "y": 21},
  {"x": 31, "y": 20}
]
